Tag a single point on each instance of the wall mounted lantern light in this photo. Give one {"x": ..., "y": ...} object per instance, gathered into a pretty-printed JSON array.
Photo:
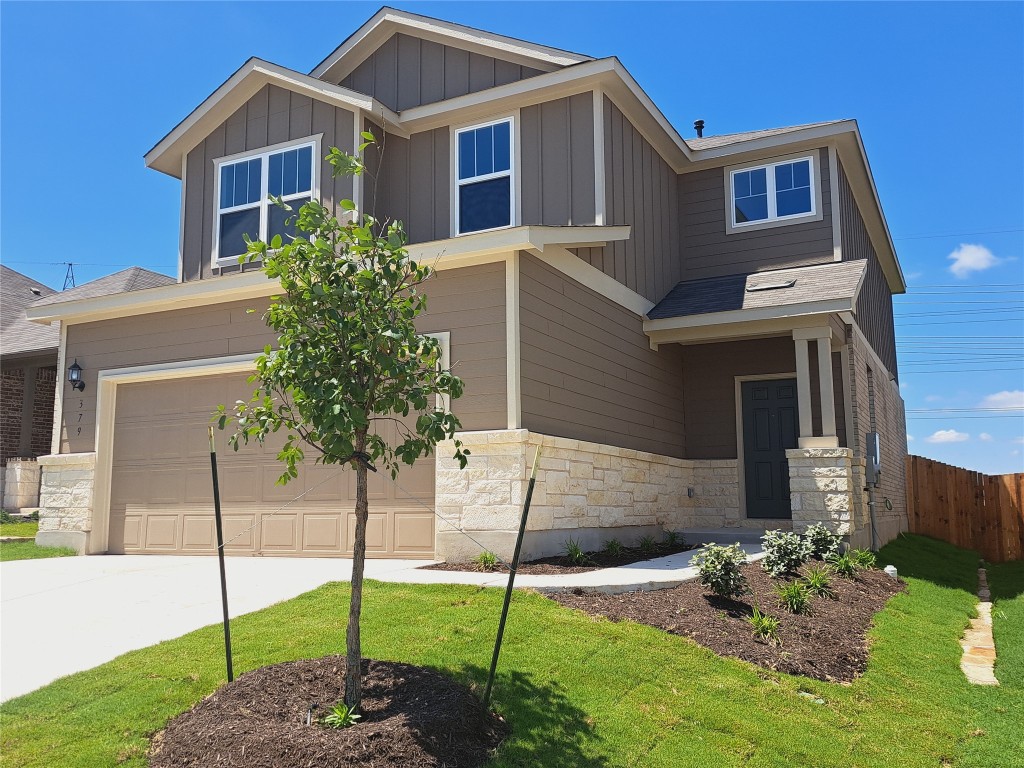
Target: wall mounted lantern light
[{"x": 75, "y": 377}]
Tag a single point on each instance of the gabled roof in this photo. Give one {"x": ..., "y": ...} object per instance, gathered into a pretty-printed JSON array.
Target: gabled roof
[
  {"x": 125, "y": 281},
  {"x": 387, "y": 21},
  {"x": 725, "y": 139},
  {"x": 17, "y": 333},
  {"x": 777, "y": 288}
]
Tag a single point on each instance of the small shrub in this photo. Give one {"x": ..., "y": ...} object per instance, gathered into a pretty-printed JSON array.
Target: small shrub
[
  {"x": 820, "y": 542},
  {"x": 720, "y": 569},
  {"x": 818, "y": 582},
  {"x": 574, "y": 552},
  {"x": 34, "y": 517},
  {"x": 784, "y": 552},
  {"x": 486, "y": 560},
  {"x": 766, "y": 627},
  {"x": 613, "y": 547},
  {"x": 341, "y": 716},
  {"x": 794, "y": 597},
  {"x": 673, "y": 539},
  {"x": 7, "y": 517},
  {"x": 647, "y": 544},
  {"x": 864, "y": 558},
  {"x": 844, "y": 565}
]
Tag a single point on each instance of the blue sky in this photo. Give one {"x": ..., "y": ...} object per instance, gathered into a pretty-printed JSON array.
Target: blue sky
[{"x": 87, "y": 88}]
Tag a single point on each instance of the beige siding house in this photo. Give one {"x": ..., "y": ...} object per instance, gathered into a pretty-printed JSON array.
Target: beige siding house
[{"x": 698, "y": 331}]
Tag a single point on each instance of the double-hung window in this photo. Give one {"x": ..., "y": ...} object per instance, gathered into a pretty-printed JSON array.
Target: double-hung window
[
  {"x": 243, "y": 189},
  {"x": 484, "y": 193},
  {"x": 773, "y": 192}
]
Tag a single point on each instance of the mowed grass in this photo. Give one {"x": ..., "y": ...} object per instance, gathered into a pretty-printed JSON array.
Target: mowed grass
[
  {"x": 27, "y": 528},
  {"x": 583, "y": 692},
  {"x": 27, "y": 550}
]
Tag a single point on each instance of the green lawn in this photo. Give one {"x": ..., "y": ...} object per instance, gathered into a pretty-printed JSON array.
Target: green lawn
[
  {"x": 582, "y": 692},
  {"x": 27, "y": 550},
  {"x": 19, "y": 529}
]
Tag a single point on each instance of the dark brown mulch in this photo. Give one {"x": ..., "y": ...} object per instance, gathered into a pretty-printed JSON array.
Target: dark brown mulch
[
  {"x": 411, "y": 717},
  {"x": 828, "y": 644},
  {"x": 559, "y": 564}
]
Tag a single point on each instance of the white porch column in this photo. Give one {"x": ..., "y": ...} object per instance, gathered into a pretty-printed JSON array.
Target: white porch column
[{"x": 826, "y": 391}]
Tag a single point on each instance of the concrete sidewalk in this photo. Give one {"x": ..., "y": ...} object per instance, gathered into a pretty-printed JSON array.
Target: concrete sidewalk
[{"x": 64, "y": 615}]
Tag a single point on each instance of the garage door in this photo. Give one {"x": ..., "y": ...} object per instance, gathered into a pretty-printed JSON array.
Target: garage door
[{"x": 162, "y": 492}]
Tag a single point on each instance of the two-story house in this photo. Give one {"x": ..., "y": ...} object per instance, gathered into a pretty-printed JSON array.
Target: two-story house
[{"x": 699, "y": 331}]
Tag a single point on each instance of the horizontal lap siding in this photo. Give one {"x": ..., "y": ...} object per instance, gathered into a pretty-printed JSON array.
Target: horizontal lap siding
[
  {"x": 468, "y": 302},
  {"x": 709, "y": 252},
  {"x": 272, "y": 116},
  {"x": 641, "y": 190},
  {"x": 587, "y": 369},
  {"x": 557, "y": 140},
  {"x": 406, "y": 72},
  {"x": 874, "y": 304}
]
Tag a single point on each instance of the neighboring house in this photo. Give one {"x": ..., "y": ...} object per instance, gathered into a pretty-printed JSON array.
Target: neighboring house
[
  {"x": 28, "y": 373},
  {"x": 699, "y": 331}
]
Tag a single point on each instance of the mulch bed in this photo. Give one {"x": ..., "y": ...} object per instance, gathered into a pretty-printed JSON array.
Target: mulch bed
[
  {"x": 828, "y": 644},
  {"x": 560, "y": 564},
  {"x": 411, "y": 717}
]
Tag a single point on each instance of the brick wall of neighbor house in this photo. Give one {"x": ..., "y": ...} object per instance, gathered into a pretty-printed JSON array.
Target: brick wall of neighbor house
[
  {"x": 708, "y": 251},
  {"x": 12, "y": 392},
  {"x": 588, "y": 371},
  {"x": 42, "y": 411}
]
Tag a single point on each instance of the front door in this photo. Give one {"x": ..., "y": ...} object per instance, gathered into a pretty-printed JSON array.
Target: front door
[{"x": 770, "y": 426}]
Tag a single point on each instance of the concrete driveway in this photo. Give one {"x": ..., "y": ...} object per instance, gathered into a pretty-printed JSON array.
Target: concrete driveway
[{"x": 64, "y": 615}]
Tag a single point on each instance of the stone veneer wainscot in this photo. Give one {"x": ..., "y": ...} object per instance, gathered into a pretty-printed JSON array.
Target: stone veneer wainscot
[{"x": 65, "y": 500}]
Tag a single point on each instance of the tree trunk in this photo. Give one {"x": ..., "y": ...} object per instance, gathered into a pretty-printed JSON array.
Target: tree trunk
[{"x": 353, "y": 656}]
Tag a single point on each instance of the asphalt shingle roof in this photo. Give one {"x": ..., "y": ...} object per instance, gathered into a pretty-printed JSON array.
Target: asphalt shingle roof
[
  {"x": 822, "y": 282},
  {"x": 710, "y": 142},
  {"x": 131, "y": 279},
  {"x": 17, "y": 333}
]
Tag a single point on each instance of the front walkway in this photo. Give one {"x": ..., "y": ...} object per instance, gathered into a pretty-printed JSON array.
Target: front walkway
[{"x": 65, "y": 615}]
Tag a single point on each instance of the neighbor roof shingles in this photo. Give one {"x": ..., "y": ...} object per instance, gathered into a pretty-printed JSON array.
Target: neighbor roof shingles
[
  {"x": 710, "y": 142},
  {"x": 125, "y": 281},
  {"x": 17, "y": 333},
  {"x": 823, "y": 282}
]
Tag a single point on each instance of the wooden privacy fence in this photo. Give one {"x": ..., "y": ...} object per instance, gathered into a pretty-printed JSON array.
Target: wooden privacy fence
[{"x": 965, "y": 508}]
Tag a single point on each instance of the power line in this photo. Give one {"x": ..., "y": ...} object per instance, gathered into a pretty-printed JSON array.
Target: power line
[{"x": 961, "y": 234}]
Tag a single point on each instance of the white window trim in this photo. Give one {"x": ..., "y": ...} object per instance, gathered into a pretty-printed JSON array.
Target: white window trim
[
  {"x": 511, "y": 173},
  {"x": 773, "y": 220},
  {"x": 263, "y": 204}
]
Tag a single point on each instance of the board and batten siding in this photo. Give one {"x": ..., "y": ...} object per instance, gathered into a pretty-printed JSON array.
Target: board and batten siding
[
  {"x": 709, "y": 389},
  {"x": 709, "y": 251},
  {"x": 874, "y": 304},
  {"x": 414, "y": 185},
  {"x": 468, "y": 302},
  {"x": 641, "y": 190},
  {"x": 272, "y": 116},
  {"x": 407, "y": 71},
  {"x": 587, "y": 370},
  {"x": 557, "y": 187}
]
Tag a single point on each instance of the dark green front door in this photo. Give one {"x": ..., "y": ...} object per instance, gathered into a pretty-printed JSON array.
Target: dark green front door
[{"x": 770, "y": 426}]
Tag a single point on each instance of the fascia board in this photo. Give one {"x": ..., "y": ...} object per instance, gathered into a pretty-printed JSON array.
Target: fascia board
[
  {"x": 442, "y": 252},
  {"x": 238, "y": 89},
  {"x": 386, "y": 22},
  {"x": 759, "y": 314}
]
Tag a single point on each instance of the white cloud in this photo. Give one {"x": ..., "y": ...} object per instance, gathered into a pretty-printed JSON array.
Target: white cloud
[
  {"x": 985, "y": 437},
  {"x": 933, "y": 399},
  {"x": 970, "y": 258},
  {"x": 1005, "y": 399},
  {"x": 947, "y": 436},
  {"x": 1018, "y": 440},
  {"x": 910, "y": 438}
]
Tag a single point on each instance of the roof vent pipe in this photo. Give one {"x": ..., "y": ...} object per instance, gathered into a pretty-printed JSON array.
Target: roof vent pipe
[{"x": 698, "y": 125}]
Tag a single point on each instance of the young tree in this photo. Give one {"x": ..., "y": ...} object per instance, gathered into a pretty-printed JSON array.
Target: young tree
[{"x": 348, "y": 357}]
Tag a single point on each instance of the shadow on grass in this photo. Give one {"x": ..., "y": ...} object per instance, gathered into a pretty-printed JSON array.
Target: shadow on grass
[
  {"x": 547, "y": 728},
  {"x": 921, "y": 557},
  {"x": 1006, "y": 580}
]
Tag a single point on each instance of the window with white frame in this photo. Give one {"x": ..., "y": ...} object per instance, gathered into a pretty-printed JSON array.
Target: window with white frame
[
  {"x": 484, "y": 194},
  {"x": 243, "y": 189},
  {"x": 773, "y": 192}
]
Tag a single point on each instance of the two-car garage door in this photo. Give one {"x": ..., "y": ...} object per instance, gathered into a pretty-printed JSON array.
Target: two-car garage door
[{"x": 161, "y": 495}]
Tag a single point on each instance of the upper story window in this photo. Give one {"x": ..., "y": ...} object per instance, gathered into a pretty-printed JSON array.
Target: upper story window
[
  {"x": 243, "y": 189},
  {"x": 773, "y": 192},
  {"x": 484, "y": 194}
]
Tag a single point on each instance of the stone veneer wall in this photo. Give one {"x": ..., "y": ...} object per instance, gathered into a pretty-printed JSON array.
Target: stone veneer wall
[
  {"x": 21, "y": 485},
  {"x": 821, "y": 488},
  {"x": 65, "y": 500},
  {"x": 586, "y": 491}
]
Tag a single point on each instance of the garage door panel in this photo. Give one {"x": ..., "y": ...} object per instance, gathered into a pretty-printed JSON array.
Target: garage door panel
[{"x": 162, "y": 491}]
